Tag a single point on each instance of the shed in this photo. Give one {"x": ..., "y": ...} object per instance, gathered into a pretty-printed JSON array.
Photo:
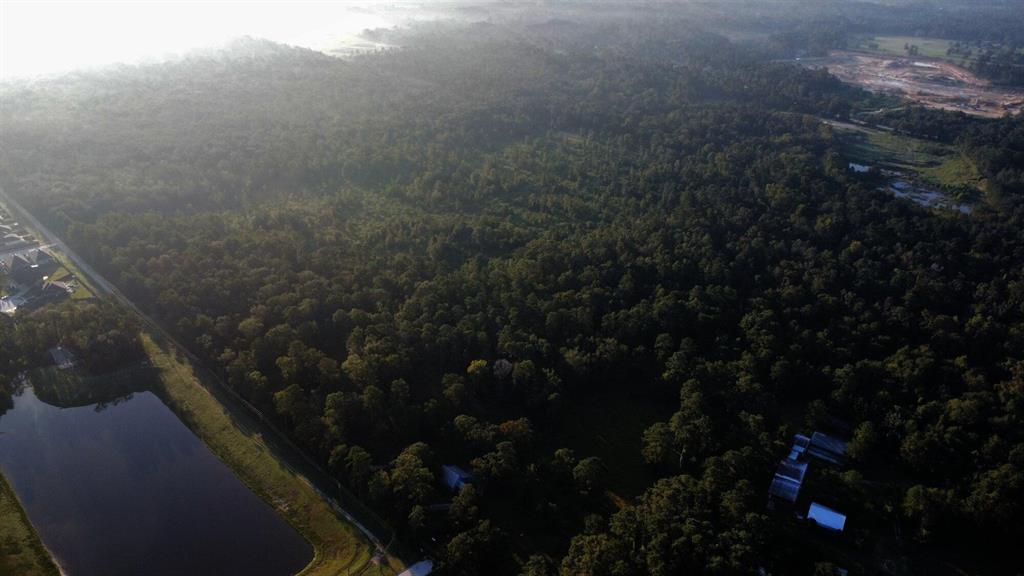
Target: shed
[
  {"x": 789, "y": 477},
  {"x": 826, "y": 517},
  {"x": 827, "y": 448},
  {"x": 421, "y": 568},
  {"x": 455, "y": 478}
]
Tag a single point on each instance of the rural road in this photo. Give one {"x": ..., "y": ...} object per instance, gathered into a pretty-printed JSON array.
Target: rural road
[{"x": 246, "y": 416}]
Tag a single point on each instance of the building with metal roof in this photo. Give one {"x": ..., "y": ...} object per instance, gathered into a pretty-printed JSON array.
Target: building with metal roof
[
  {"x": 789, "y": 477},
  {"x": 826, "y": 517},
  {"x": 828, "y": 448}
]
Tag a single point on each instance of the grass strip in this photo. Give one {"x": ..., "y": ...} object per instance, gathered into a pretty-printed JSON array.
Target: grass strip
[
  {"x": 21, "y": 551},
  {"x": 339, "y": 548}
]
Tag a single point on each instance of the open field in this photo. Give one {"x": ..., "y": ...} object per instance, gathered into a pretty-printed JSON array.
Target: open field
[
  {"x": 339, "y": 548},
  {"x": 938, "y": 164},
  {"x": 21, "y": 551},
  {"x": 932, "y": 82},
  {"x": 927, "y": 47},
  {"x": 928, "y": 173}
]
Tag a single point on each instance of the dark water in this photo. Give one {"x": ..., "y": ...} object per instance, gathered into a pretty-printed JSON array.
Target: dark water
[{"x": 129, "y": 490}]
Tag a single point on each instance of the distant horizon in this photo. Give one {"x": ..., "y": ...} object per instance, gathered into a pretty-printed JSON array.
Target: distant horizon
[{"x": 45, "y": 39}]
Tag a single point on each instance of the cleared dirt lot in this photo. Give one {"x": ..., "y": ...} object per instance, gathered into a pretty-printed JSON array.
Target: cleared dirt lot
[{"x": 929, "y": 81}]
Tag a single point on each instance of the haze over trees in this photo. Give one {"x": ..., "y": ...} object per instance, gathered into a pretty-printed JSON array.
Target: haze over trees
[{"x": 475, "y": 248}]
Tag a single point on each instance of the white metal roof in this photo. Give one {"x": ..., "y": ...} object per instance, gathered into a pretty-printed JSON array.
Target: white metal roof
[{"x": 826, "y": 517}]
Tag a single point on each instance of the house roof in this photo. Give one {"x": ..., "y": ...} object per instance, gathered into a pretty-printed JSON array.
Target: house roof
[
  {"x": 800, "y": 443},
  {"x": 61, "y": 287},
  {"x": 791, "y": 469},
  {"x": 42, "y": 256},
  {"x": 18, "y": 262},
  {"x": 62, "y": 357},
  {"x": 789, "y": 477},
  {"x": 827, "y": 447},
  {"x": 826, "y": 517}
]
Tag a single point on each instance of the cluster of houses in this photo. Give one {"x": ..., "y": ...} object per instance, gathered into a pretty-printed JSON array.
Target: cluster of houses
[
  {"x": 26, "y": 278},
  {"x": 792, "y": 470}
]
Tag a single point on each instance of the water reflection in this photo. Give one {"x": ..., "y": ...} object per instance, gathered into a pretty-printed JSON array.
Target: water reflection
[{"x": 128, "y": 490}]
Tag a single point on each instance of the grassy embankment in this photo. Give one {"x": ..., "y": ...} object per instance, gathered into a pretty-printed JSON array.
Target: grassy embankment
[
  {"x": 21, "y": 551},
  {"x": 338, "y": 546}
]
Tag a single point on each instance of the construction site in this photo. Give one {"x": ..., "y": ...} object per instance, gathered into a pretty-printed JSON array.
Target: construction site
[{"x": 929, "y": 81}]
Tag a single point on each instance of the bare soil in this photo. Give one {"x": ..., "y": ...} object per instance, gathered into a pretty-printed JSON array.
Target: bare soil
[{"x": 929, "y": 81}]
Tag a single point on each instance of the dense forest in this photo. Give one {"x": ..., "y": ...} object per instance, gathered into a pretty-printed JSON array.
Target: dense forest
[{"x": 609, "y": 267}]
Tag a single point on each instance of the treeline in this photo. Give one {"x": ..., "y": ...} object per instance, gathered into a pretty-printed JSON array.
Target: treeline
[
  {"x": 434, "y": 255},
  {"x": 101, "y": 335}
]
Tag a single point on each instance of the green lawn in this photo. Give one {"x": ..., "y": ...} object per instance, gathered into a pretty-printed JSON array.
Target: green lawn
[
  {"x": 338, "y": 546},
  {"x": 21, "y": 551}
]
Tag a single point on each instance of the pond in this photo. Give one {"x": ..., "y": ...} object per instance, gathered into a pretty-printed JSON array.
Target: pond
[{"x": 124, "y": 488}]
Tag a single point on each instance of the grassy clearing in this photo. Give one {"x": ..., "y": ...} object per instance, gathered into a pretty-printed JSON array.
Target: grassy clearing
[
  {"x": 21, "y": 551},
  {"x": 938, "y": 164},
  {"x": 956, "y": 171},
  {"x": 339, "y": 548},
  {"x": 927, "y": 47}
]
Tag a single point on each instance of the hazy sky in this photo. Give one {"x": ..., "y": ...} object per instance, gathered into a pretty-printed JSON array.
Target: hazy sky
[{"x": 43, "y": 37}]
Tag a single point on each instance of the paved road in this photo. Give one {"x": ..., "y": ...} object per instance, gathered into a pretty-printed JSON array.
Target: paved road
[{"x": 246, "y": 416}]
